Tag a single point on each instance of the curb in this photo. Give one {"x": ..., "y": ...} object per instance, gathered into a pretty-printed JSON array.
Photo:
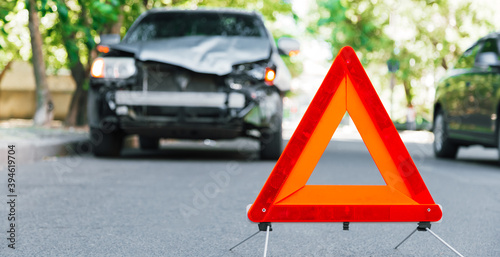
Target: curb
[{"x": 39, "y": 149}]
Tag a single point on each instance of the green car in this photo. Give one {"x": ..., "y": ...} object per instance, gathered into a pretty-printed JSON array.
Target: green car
[{"x": 467, "y": 100}]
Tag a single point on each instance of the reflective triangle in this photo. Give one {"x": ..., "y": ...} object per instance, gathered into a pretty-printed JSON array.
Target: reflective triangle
[{"x": 285, "y": 196}]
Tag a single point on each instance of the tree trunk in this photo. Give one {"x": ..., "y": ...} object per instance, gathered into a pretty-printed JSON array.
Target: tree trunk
[
  {"x": 77, "y": 115},
  {"x": 410, "y": 111},
  {"x": 409, "y": 95},
  {"x": 7, "y": 67},
  {"x": 44, "y": 106},
  {"x": 116, "y": 27},
  {"x": 444, "y": 64},
  {"x": 77, "y": 110}
]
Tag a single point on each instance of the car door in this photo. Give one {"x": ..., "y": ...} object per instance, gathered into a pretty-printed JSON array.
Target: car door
[
  {"x": 456, "y": 101},
  {"x": 479, "y": 123}
]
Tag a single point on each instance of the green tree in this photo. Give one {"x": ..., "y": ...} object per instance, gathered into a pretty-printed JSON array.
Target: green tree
[
  {"x": 13, "y": 45},
  {"x": 437, "y": 28},
  {"x": 359, "y": 24},
  {"x": 8, "y": 50},
  {"x": 79, "y": 23},
  {"x": 423, "y": 35}
]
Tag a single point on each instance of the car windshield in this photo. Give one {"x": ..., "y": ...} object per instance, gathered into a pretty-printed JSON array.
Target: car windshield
[{"x": 182, "y": 24}]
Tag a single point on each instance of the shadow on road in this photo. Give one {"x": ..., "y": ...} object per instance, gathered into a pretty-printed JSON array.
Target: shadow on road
[
  {"x": 189, "y": 154},
  {"x": 239, "y": 149},
  {"x": 482, "y": 157},
  {"x": 491, "y": 163},
  {"x": 478, "y": 155}
]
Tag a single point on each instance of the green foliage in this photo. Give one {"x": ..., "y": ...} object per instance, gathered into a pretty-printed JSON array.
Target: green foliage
[
  {"x": 103, "y": 13},
  {"x": 12, "y": 35},
  {"x": 75, "y": 25},
  {"x": 358, "y": 24},
  {"x": 6, "y": 7},
  {"x": 425, "y": 36},
  {"x": 268, "y": 8}
]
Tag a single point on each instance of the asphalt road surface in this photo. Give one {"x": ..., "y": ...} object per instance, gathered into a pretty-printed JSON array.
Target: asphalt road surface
[{"x": 189, "y": 199}]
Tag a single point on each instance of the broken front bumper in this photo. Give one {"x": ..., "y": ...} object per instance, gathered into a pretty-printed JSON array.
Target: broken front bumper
[
  {"x": 180, "y": 99},
  {"x": 192, "y": 115}
]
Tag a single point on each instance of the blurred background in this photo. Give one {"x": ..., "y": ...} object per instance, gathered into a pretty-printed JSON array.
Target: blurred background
[{"x": 47, "y": 47}]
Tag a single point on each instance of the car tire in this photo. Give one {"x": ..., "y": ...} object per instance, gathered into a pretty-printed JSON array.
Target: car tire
[
  {"x": 106, "y": 144},
  {"x": 443, "y": 147},
  {"x": 498, "y": 141},
  {"x": 271, "y": 144},
  {"x": 149, "y": 143},
  {"x": 271, "y": 140}
]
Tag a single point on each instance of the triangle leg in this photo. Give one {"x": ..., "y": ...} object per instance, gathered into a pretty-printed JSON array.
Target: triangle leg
[
  {"x": 422, "y": 226},
  {"x": 442, "y": 241},
  {"x": 267, "y": 239},
  {"x": 404, "y": 240},
  {"x": 246, "y": 239},
  {"x": 263, "y": 226},
  {"x": 426, "y": 226}
]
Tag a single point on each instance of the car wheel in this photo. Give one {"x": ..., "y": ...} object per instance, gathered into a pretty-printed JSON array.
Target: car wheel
[
  {"x": 271, "y": 140},
  {"x": 149, "y": 143},
  {"x": 443, "y": 147},
  {"x": 498, "y": 141},
  {"x": 106, "y": 144}
]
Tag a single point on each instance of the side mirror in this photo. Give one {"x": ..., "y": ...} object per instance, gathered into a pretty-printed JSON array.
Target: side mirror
[
  {"x": 288, "y": 46},
  {"x": 106, "y": 41},
  {"x": 487, "y": 59},
  {"x": 110, "y": 39}
]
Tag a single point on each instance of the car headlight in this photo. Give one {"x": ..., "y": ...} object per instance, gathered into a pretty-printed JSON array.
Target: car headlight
[
  {"x": 113, "y": 67},
  {"x": 249, "y": 73}
]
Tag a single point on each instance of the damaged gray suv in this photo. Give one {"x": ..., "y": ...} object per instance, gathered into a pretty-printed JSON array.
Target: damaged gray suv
[{"x": 190, "y": 74}]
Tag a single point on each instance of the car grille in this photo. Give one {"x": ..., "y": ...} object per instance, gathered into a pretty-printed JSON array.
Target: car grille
[
  {"x": 168, "y": 78},
  {"x": 160, "y": 77}
]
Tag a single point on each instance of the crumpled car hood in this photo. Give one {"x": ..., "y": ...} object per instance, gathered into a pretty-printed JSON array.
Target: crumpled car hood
[{"x": 203, "y": 54}]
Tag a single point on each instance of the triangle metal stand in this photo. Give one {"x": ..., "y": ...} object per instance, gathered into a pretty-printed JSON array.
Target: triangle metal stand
[
  {"x": 263, "y": 226},
  {"x": 422, "y": 226},
  {"x": 426, "y": 226}
]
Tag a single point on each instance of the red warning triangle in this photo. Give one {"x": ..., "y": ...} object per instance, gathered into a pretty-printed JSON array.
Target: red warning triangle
[{"x": 285, "y": 196}]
